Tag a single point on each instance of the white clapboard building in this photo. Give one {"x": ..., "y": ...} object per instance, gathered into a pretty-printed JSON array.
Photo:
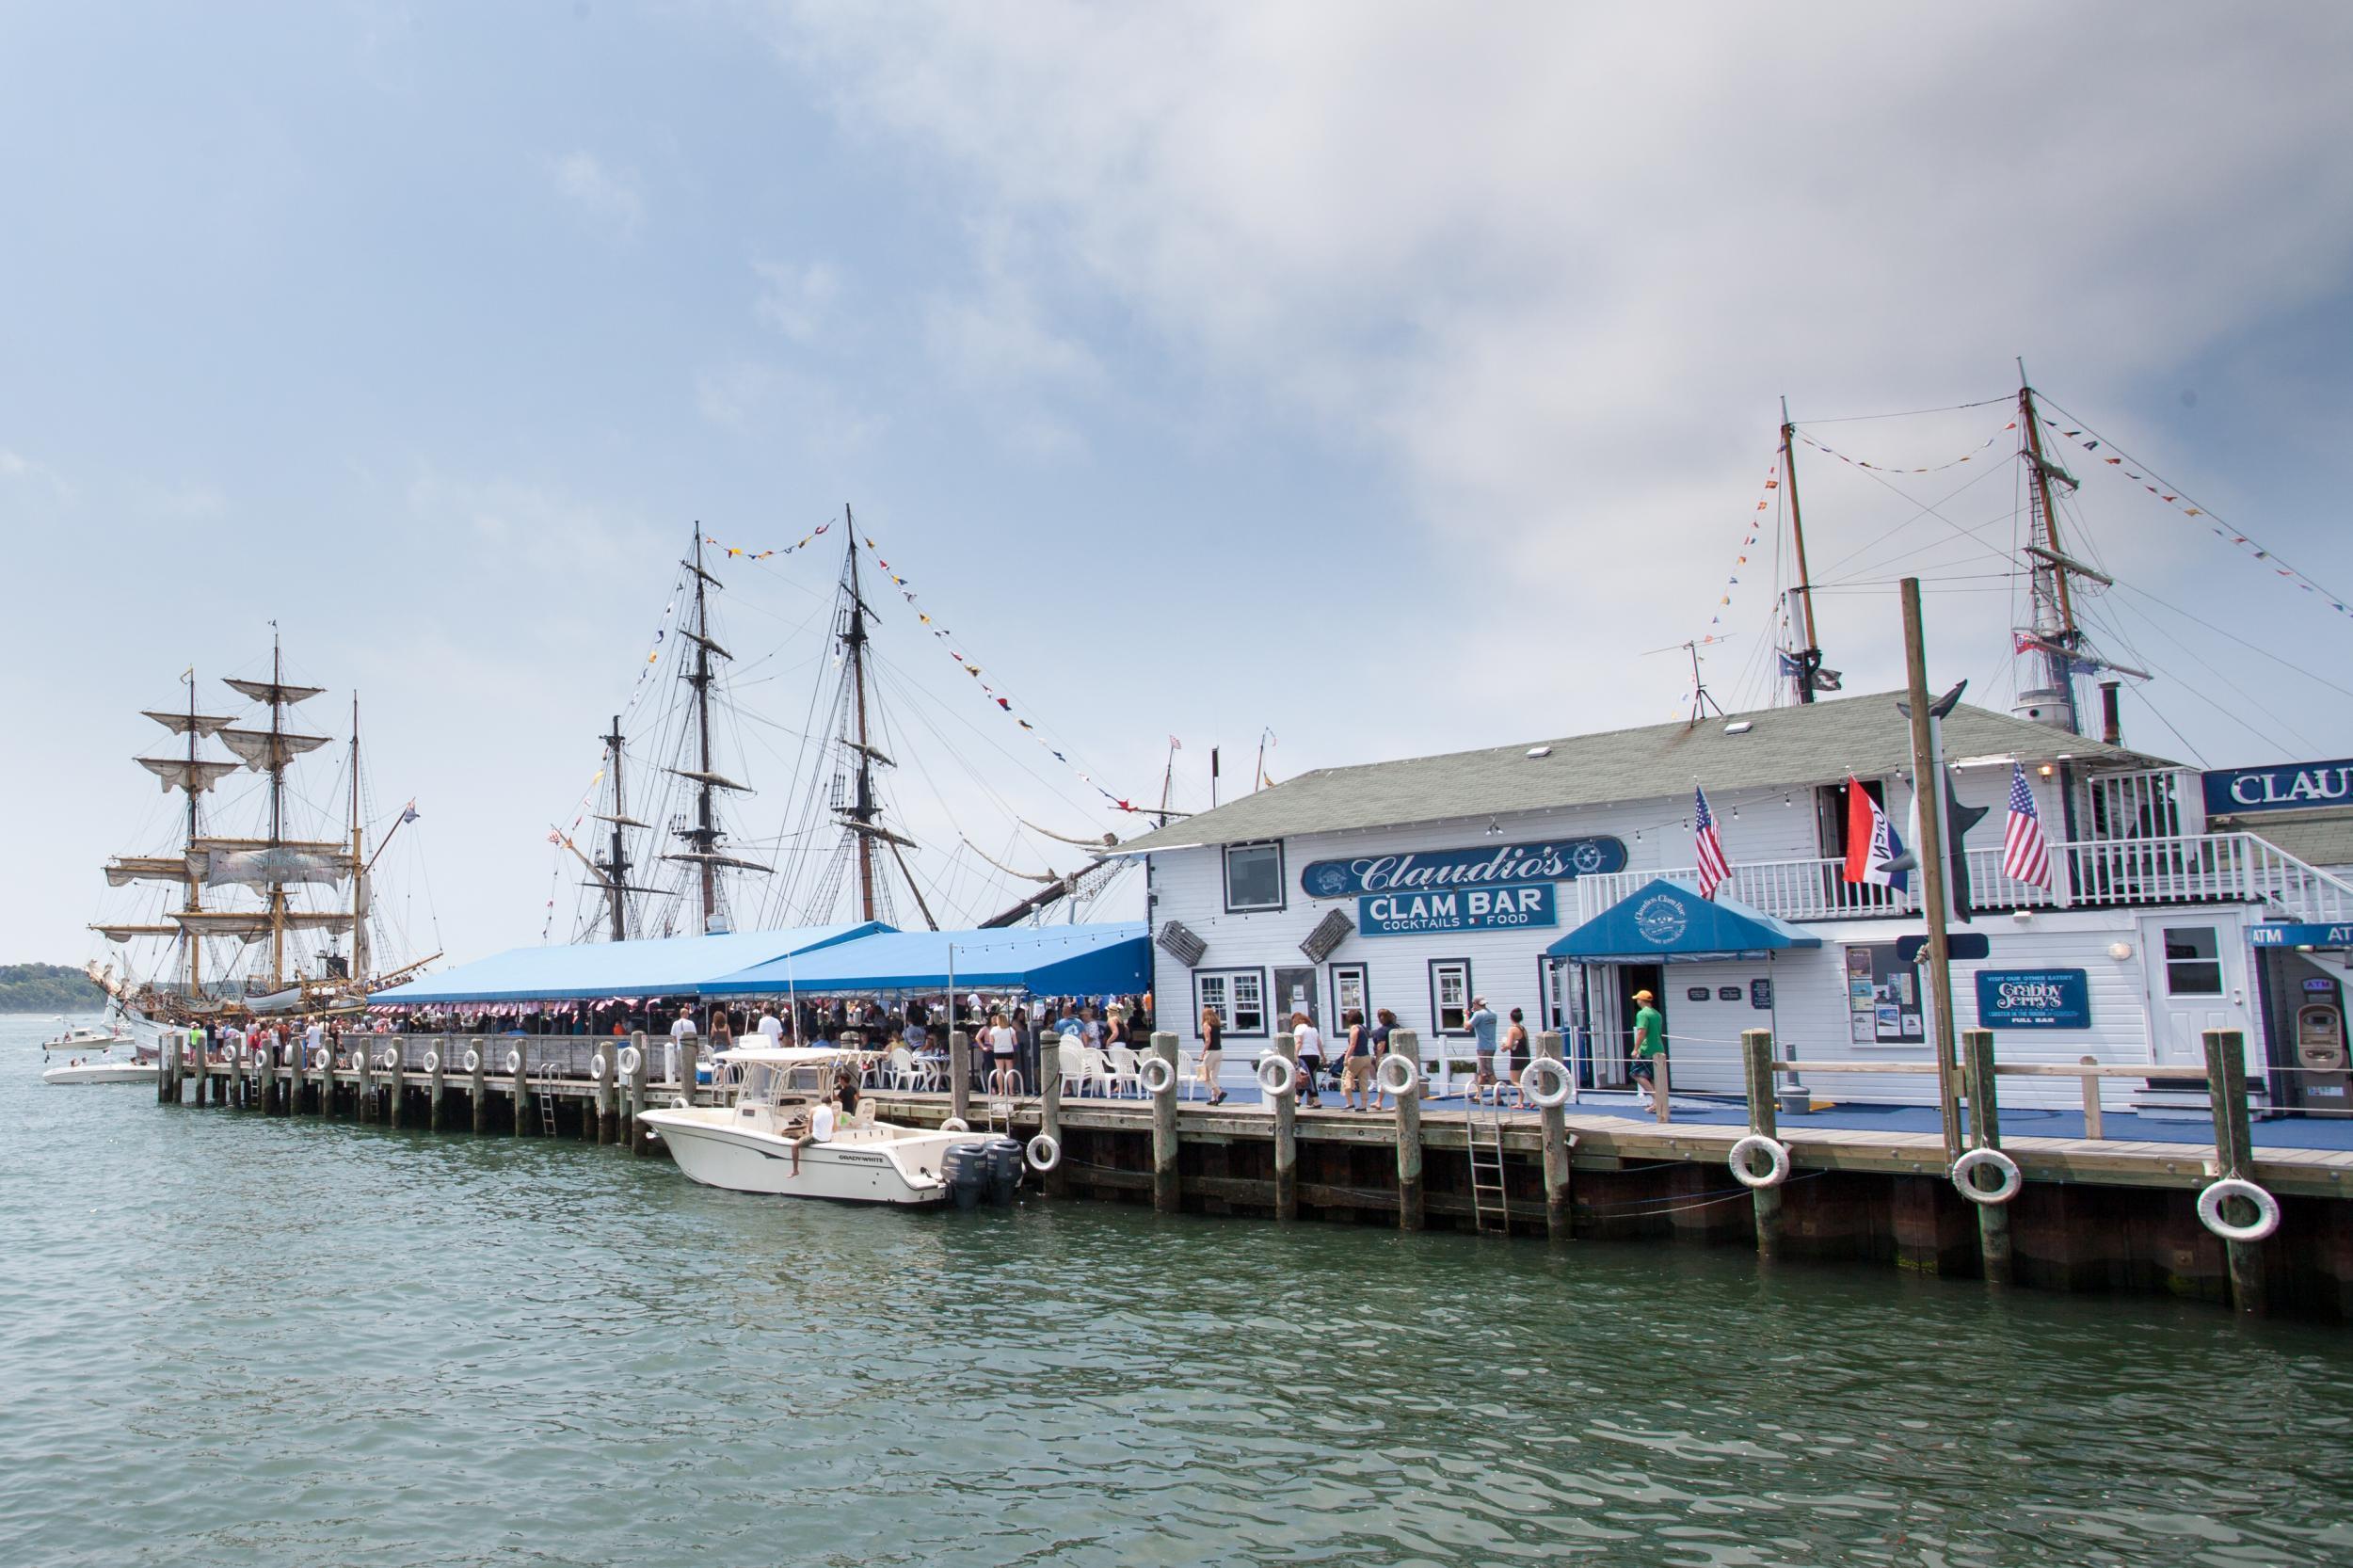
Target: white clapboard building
[{"x": 1558, "y": 877}]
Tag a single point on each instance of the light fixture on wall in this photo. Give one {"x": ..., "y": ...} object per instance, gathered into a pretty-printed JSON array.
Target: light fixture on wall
[
  {"x": 2045, "y": 770},
  {"x": 2022, "y": 915},
  {"x": 2120, "y": 951},
  {"x": 1494, "y": 828}
]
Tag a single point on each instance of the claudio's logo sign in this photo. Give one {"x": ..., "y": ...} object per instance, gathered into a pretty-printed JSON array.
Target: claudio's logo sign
[
  {"x": 2286, "y": 786},
  {"x": 1504, "y": 866}
]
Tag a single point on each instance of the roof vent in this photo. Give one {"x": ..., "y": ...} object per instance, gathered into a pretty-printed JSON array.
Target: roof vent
[
  {"x": 1739, "y": 727},
  {"x": 1539, "y": 751}
]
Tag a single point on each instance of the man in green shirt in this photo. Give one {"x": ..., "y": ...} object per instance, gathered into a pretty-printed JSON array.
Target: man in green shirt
[{"x": 1650, "y": 1050}]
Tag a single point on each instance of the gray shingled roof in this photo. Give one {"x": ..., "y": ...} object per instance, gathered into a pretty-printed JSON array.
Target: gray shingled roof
[{"x": 1782, "y": 747}]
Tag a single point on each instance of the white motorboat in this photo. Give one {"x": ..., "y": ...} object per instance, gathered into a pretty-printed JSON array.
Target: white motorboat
[
  {"x": 104, "y": 1067},
  {"x": 86, "y": 1037},
  {"x": 780, "y": 1135}
]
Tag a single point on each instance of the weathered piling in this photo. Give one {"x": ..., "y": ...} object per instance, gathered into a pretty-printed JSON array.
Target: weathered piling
[
  {"x": 2092, "y": 1102},
  {"x": 688, "y": 1057},
  {"x": 526, "y": 1110},
  {"x": 436, "y": 1088},
  {"x": 398, "y": 1109},
  {"x": 2234, "y": 1147},
  {"x": 477, "y": 1073},
  {"x": 1554, "y": 1120},
  {"x": 1405, "y": 1043},
  {"x": 1985, "y": 1132},
  {"x": 1165, "y": 1194},
  {"x": 326, "y": 1064},
  {"x": 637, "y": 1094},
  {"x": 1286, "y": 1137},
  {"x": 960, "y": 1074},
  {"x": 363, "y": 1090},
  {"x": 1756, "y": 1057},
  {"x": 1665, "y": 1106},
  {"x": 1049, "y": 1116},
  {"x": 607, "y": 1113}
]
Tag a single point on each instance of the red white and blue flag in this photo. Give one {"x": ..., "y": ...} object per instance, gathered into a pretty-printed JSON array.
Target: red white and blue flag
[
  {"x": 2025, "y": 857},
  {"x": 1871, "y": 841},
  {"x": 1714, "y": 867}
]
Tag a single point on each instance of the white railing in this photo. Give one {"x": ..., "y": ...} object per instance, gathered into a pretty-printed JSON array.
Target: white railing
[{"x": 2203, "y": 868}]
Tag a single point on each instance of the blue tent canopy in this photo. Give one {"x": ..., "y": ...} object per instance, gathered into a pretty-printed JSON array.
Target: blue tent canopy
[
  {"x": 1663, "y": 920},
  {"x": 665, "y": 967},
  {"x": 1054, "y": 961}
]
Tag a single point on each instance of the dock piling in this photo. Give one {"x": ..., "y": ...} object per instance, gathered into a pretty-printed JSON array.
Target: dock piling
[
  {"x": 1286, "y": 1137},
  {"x": 960, "y": 1075},
  {"x": 435, "y": 1089},
  {"x": 2092, "y": 1102},
  {"x": 326, "y": 1065},
  {"x": 363, "y": 1091},
  {"x": 1554, "y": 1120},
  {"x": 637, "y": 1094},
  {"x": 607, "y": 1112},
  {"x": 526, "y": 1112},
  {"x": 2234, "y": 1147},
  {"x": 1165, "y": 1189},
  {"x": 1049, "y": 1116},
  {"x": 1407, "y": 1044},
  {"x": 400, "y": 1080},
  {"x": 1985, "y": 1132},
  {"x": 477, "y": 1099},
  {"x": 1757, "y": 1054},
  {"x": 689, "y": 1060}
]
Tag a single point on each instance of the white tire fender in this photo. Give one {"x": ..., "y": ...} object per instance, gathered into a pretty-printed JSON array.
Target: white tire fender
[
  {"x": 1966, "y": 1177},
  {"x": 1776, "y": 1155},
  {"x": 1556, "y": 1077},
  {"x": 1045, "y": 1152},
  {"x": 2210, "y": 1203},
  {"x": 433, "y": 1062},
  {"x": 1274, "y": 1075},
  {"x": 629, "y": 1060},
  {"x": 1397, "y": 1073},
  {"x": 1156, "y": 1075},
  {"x": 474, "y": 1060},
  {"x": 955, "y": 1123},
  {"x": 514, "y": 1058}
]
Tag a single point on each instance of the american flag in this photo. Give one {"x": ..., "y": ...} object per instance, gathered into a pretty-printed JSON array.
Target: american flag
[
  {"x": 1714, "y": 868},
  {"x": 2024, "y": 856}
]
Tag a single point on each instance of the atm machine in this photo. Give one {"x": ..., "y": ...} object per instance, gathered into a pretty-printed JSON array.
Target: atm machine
[{"x": 2324, "y": 1079}]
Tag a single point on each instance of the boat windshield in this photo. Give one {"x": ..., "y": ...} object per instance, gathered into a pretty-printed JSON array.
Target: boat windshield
[{"x": 765, "y": 1084}]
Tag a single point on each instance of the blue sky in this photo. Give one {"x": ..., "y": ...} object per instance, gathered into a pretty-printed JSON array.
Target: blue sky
[{"x": 1393, "y": 381}]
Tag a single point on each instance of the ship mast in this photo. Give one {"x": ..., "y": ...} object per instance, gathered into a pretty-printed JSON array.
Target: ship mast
[
  {"x": 1809, "y": 659},
  {"x": 2054, "y": 632},
  {"x": 861, "y": 810},
  {"x": 617, "y": 889},
  {"x": 358, "y": 862},
  {"x": 706, "y": 827},
  {"x": 195, "y": 884},
  {"x": 277, "y": 811}
]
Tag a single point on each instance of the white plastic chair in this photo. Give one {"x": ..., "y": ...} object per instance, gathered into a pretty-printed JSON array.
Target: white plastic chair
[
  {"x": 1073, "y": 1059},
  {"x": 1121, "y": 1075},
  {"x": 1188, "y": 1074},
  {"x": 902, "y": 1068}
]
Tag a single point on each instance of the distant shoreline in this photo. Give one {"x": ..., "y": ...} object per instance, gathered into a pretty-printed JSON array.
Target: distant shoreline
[{"x": 50, "y": 989}]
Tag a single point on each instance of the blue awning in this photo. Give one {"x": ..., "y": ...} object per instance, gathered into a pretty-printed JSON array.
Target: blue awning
[
  {"x": 1049, "y": 961},
  {"x": 665, "y": 967},
  {"x": 1663, "y": 920}
]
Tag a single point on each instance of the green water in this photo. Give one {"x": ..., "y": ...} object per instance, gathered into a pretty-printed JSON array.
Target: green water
[{"x": 228, "y": 1339}]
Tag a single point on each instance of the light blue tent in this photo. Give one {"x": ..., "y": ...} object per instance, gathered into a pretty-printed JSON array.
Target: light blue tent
[
  {"x": 665, "y": 967},
  {"x": 1664, "y": 921},
  {"x": 1051, "y": 961}
]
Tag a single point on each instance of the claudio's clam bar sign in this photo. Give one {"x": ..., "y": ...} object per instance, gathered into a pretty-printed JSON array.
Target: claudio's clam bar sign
[
  {"x": 2283, "y": 787},
  {"x": 1497, "y": 886}
]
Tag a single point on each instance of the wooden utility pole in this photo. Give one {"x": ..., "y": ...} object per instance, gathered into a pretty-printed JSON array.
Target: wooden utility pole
[{"x": 1927, "y": 789}]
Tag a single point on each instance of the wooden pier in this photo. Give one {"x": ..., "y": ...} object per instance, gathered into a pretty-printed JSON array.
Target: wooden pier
[{"x": 2090, "y": 1214}]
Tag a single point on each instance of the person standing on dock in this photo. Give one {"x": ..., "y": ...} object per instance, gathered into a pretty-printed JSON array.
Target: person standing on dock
[
  {"x": 683, "y": 1029},
  {"x": 1515, "y": 1058},
  {"x": 1355, "y": 1062},
  {"x": 1650, "y": 1044},
  {"x": 771, "y": 1031},
  {"x": 1384, "y": 1023},
  {"x": 1307, "y": 1043},
  {"x": 1212, "y": 1053},
  {"x": 1483, "y": 1028}
]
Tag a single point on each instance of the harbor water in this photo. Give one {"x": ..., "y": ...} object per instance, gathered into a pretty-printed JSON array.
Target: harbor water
[{"x": 230, "y": 1339}]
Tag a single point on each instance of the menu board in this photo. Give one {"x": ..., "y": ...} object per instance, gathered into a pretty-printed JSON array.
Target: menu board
[{"x": 1884, "y": 996}]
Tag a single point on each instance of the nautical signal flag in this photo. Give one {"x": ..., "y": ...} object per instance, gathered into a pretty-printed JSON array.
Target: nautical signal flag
[
  {"x": 1709, "y": 846},
  {"x": 1871, "y": 840},
  {"x": 2025, "y": 857}
]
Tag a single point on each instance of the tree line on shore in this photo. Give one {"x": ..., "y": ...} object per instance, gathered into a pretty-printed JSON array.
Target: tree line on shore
[{"x": 47, "y": 988}]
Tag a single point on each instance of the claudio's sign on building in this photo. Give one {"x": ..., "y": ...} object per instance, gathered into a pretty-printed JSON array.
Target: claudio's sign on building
[
  {"x": 2283, "y": 787},
  {"x": 1445, "y": 870}
]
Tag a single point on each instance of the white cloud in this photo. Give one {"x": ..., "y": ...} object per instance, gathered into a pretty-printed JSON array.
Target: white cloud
[
  {"x": 1553, "y": 262},
  {"x": 15, "y": 468},
  {"x": 795, "y": 300},
  {"x": 775, "y": 403},
  {"x": 610, "y": 198}
]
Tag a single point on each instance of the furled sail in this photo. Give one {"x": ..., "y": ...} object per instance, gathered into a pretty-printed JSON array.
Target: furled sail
[
  {"x": 180, "y": 774},
  {"x": 179, "y": 724},
  {"x": 271, "y": 690},
  {"x": 717, "y": 781},
  {"x": 707, "y": 858},
  {"x": 262, "y": 749},
  {"x": 125, "y": 932},
  {"x": 126, "y": 869},
  {"x": 251, "y": 923},
  {"x": 268, "y": 867},
  {"x": 308, "y": 846}
]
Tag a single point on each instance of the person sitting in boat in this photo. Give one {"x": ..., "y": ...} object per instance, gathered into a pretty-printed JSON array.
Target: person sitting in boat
[
  {"x": 821, "y": 1120},
  {"x": 846, "y": 1092}
]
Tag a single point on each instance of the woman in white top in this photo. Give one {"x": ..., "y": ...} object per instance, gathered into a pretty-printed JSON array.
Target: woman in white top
[
  {"x": 1308, "y": 1045},
  {"x": 1003, "y": 1048}
]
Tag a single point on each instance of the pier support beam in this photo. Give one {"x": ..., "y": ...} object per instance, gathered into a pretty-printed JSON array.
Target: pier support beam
[
  {"x": 607, "y": 1111},
  {"x": 1559, "y": 1214},
  {"x": 399, "y": 1106},
  {"x": 1286, "y": 1137},
  {"x": 1166, "y": 1196},
  {"x": 326, "y": 1068},
  {"x": 689, "y": 1058},
  {"x": 1985, "y": 1132},
  {"x": 364, "y": 1092},
  {"x": 436, "y": 1089},
  {"x": 1756, "y": 1056},
  {"x": 1407, "y": 1044},
  {"x": 518, "y": 1065},
  {"x": 637, "y": 1098},
  {"x": 2234, "y": 1147},
  {"x": 1049, "y": 1116},
  {"x": 960, "y": 1075},
  {"x": 476, "y": 1099}
]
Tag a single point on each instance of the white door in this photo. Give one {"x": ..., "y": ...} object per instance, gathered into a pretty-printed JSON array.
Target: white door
[{"x": 2196, "y": 965}]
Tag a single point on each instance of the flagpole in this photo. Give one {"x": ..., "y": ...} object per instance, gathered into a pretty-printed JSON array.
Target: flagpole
[{"x": 1930, "y": 849}]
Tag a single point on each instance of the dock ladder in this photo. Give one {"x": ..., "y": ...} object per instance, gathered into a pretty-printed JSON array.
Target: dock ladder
[
  {"x": 1483, "y": 1126},
  {"x": 548, "y": 1076}
]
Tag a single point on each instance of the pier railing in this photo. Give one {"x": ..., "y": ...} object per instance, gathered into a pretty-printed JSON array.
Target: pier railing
[{"x": 2200, "y": 868}]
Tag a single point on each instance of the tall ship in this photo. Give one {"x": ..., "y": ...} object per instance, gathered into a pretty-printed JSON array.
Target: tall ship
[{"x": 252, "y": 908}]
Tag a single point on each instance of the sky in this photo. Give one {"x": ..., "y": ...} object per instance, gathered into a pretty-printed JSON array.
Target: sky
[{"x": 1365, "y": 380}]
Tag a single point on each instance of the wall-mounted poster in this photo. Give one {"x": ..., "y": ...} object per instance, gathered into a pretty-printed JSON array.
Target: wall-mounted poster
[
  {"x": 1761, "y": 995},
  {"x": 1883, "y": 992}
]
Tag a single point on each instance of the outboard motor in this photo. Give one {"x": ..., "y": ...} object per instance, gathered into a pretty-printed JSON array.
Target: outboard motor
[
  {"x": 1004, "y": 1170},
  {"x": 966, "y": 1169}
]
